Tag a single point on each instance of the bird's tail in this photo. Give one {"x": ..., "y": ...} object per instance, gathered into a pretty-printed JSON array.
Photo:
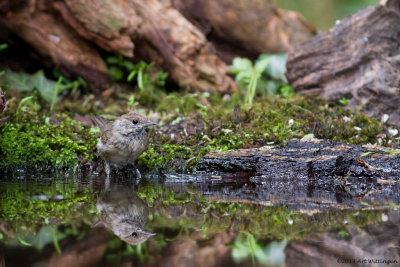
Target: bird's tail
[{"x": 99, "y": 121}]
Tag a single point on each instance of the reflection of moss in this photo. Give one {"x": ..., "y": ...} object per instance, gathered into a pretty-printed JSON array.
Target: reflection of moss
[
  {"x": 34, "y": 205},
  {"x": 45, "y": 143},
  {"x": 263, "y": 222}
]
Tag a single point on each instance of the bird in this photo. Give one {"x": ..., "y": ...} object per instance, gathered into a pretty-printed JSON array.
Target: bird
[
  {"x": 124, "y": 213},
  {"x": 122, "y": 141}
]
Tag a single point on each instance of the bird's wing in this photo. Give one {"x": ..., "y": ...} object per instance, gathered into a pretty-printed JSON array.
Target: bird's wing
[{"x": 99, "y": 121}]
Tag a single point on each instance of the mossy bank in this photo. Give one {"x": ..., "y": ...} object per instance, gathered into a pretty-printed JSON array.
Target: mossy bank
[{"x": 43, "y": 141}]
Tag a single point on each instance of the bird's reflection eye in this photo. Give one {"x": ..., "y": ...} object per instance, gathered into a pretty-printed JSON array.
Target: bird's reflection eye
[
  {"x": 134, "y": 234},
  {"x": 135, "y": 121}
]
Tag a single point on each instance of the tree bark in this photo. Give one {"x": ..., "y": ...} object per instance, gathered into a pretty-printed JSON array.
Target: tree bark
[
  {"x": 34, "y": 22},
  {"x": 358, "y": 59},
  {"x": 246, "y": 28},
  {"x": 68, "y": 33},
  {"x": 164, "y": 35}
]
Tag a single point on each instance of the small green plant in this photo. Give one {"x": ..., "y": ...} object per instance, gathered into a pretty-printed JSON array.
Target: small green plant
[
  {"x": 121, "y": 69},
  {"x": 203, "y": 112},
  {"x": 343, "y": 234},
  {"x": 267, "y": 76},
  {"x": 145, "y": 76},
  {"x": 27, "y": 101},
  {"x": 3, "y": 46},
  {"x": 27, "y": 83},
  {"x": 344, "y": 101},
  {"x": 272, "y": 254},
  {"x": 141, "y": 73}
]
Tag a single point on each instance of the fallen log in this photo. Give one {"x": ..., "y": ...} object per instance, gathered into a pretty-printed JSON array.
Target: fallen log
[
  {"x": 246, "y": 28},
  {"x": 69, "y": 33},
  {"x": 358, "y": 59}
]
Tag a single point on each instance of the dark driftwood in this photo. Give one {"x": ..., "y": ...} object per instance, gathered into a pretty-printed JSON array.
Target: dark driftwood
[
  {"x": 322, "y": 165},
  {"x": 358, "y": 59},
  {"x": 246, "y": 28}
]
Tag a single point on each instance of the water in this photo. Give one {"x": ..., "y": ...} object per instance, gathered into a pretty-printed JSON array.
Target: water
[{"x": 201, "y": 220}]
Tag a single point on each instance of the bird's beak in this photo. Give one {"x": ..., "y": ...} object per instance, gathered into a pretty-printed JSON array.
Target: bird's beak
[{"x": 149, "y": 123}]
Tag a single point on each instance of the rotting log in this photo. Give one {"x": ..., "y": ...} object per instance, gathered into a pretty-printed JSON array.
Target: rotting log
[
  {"x": 40, "y": 28},
  {"x": 246, "y": 28},
  {"x": 358, "y": 59},
  {"x": 69, "y": 32},
  {"x": 160, "y": 33},
  {"x": 348, "y": 170}
]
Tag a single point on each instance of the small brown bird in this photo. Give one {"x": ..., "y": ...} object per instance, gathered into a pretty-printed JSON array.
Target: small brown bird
[
  {"x": 124, "y": 213},
  {"x": 122, "y": 141}
]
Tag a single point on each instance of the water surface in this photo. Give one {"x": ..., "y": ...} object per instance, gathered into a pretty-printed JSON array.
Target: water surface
[{"x": 199, "y": 220}]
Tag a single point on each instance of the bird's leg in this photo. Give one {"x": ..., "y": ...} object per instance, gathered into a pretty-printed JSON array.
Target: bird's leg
[
  {"x": 108, "y": 172},
  {"x": 138, "y": 175}
]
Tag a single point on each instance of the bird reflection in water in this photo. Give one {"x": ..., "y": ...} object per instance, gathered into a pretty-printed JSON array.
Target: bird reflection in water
[{"x": 124, "y": 213}]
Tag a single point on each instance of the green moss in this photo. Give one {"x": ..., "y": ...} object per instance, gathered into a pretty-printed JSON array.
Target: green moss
[
  {"x": 44, "y": 142},
  {"x": 191, "y": 131},
  {"x": 267, "y": 121}
]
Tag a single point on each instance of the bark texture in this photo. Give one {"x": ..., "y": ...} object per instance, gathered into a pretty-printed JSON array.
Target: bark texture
[
  {"x": 358, "y": 59},
  {"x": 68, "y": 32},
  {"x": 347, "y": 170},
  {"x": 247, "y": 28}
]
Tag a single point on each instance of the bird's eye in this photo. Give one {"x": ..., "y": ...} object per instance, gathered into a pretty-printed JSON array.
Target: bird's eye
[
  {"x": 134, "y": 234},
  {"x": 135, "y": 121}
]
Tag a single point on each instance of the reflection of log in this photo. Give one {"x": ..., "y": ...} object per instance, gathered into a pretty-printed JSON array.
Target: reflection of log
[
  {"x": 194, "y": 250},
  {"x": 246, "y": 28},
  {"x": 86, "y": 252},
  {"x": 343, "y": 169},
  {"x": 358, "y": 59},
  {"x": 373, "y": 245}
]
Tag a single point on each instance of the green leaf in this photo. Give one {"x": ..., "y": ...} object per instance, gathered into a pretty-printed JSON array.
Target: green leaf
[
  {"x": 20, "y": 81},
  {"x": 129, "y": 66},
  {"x": 240, "y": 64},
  {"x": 244, "y": 76},
  {"x": 47, "y": 88},
  {"x": 3, "y": 46},
  {"x": 274, "y": 253},
  {"x": 115, "y": 73},
  {"x": 112, "y": 60},
  {"x": 262, "y": 63},
  {"x": 131, "y": 75},
  {"x": 24, "y": 242},
  {"x": 276, "y": 67}
]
